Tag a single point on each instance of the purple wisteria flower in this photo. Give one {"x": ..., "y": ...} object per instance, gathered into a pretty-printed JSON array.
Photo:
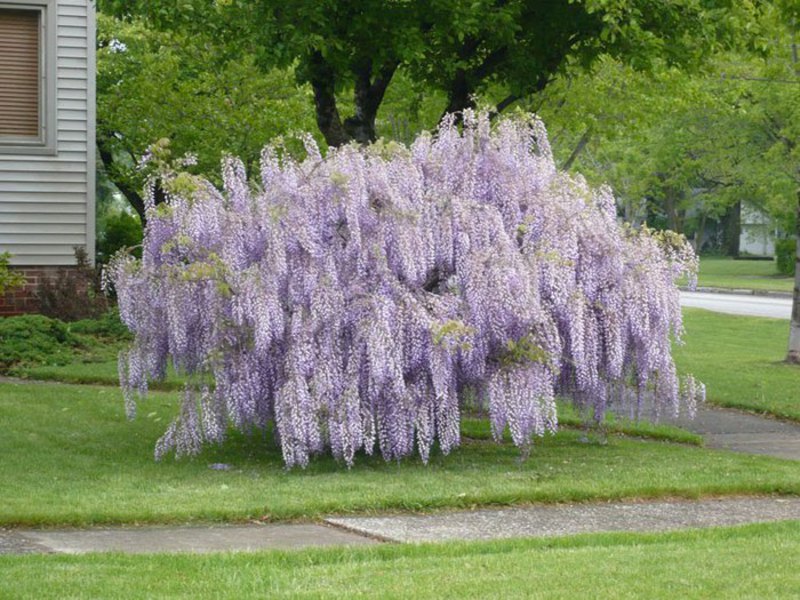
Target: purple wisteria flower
[{"x": 355, "y": 301}]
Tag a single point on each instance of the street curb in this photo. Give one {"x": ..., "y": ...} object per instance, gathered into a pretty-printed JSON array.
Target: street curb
[{"x": 738, "y": 291}]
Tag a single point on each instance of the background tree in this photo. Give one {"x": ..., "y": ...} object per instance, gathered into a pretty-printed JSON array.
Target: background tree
[
  {"x": 694, "y": 145},
  {"x": 188, "y": 89},
  {"x": 152, "y": 86},
  {"x": 460, "y": 48}
]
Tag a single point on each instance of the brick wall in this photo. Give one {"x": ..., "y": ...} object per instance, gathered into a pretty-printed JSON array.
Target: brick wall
[{"x": 23, "y": 300}]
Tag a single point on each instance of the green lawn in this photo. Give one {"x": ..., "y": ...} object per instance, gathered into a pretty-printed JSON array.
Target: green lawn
[
  {"x": 757, "y": 561},
  {"x": 740, "y": 361},
  {"x": 70, "y": 457},
  {"x": 743, "y": 274},
  {"x": 101, "y": 373}
]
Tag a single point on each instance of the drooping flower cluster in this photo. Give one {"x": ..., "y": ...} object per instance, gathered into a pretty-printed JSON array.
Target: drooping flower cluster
[{"x": 354, "y": 301}]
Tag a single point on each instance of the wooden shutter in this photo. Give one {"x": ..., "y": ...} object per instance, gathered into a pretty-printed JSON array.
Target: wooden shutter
[{"x": 19, "y": 72}]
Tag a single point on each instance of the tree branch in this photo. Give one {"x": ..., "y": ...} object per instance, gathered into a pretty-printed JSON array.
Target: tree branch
[
  {"x": 133, "y": 197},
  {"x": 587, "y": 135}
]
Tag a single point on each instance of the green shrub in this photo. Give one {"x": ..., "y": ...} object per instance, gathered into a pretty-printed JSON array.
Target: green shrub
[
  {"x": 106, "y": 326},
  {"x": 35, "y": 339},
  {"x": 121, "y": 230},
  {"x": 786, "y": 256},
  {"x": 9, "y": 280}
]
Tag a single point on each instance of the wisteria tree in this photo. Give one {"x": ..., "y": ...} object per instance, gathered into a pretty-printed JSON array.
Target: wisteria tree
[{"x": 366, "y": 299}]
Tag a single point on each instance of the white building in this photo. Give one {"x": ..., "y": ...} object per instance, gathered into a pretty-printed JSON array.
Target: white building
[
  {"x": 757, "y": 234},
  {"x": 47, "y": 129}
]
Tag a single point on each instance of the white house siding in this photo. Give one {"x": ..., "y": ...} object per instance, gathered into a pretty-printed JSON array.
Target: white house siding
[
  {"x": 757, "y": 236},
  {"x": 47, "y": 201}
]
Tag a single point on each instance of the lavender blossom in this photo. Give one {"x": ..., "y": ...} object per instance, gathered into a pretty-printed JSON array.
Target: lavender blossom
[{"x": 354, "y": 301}]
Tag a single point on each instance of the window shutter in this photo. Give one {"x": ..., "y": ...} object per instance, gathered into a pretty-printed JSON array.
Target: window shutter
[{"x": 19, "y": 73}]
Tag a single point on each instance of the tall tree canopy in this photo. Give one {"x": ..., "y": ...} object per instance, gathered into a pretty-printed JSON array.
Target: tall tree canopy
[
  {"x": 153, "y": 86},
  {"x": 458, "y": 47}
]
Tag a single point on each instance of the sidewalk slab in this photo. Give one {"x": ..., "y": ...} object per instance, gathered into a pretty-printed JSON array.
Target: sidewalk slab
[
  {"x": 196, "y": 539},
  {"x": 741, "y": 432},
  {"x": 779, "y": 445},
  {"x": 560, "y": 520},
  {"x": 735, "y": 430},
  {"x": 714, "y": 420}
]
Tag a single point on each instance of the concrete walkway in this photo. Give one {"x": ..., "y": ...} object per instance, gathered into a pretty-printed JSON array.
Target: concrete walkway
[
  {"x": 140, "y": 540},
  {"x": 743, "y": 432},
  {"x": 559, "y": 520},
  {"x": 531, "y": 521}
]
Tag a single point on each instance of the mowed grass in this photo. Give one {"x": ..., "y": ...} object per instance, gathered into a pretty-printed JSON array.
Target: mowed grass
[
  {"x": 91, "y": 373},
  {"x": 71, "y": 457},
  {"x": 756, "y": 561},
  {"x": 740, "y": 359},
  {"x": 723, "y": 272}
]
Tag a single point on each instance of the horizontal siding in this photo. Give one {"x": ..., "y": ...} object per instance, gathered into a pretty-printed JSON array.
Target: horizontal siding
[
  {"x": 76, "y": 63},
  {"x": 39, "y": 239},
  {"x": 73, "y": 104},
  {"x": 9, "y": 189},
  {"x": 69, "y": 92},
  {"x": 43, "y": 176},
  {"x": 42, "y": 203},
  {"x": 74, "y": 10},
  {"x": 72, "y": 146},
  {"x": 43, "y": 199},
  {"x": 72, "y": 84},
  {"x": 65, "y": 114},
  {"x": 18, "y": 218},
  {"x": 65, "y": 52},
  {"x": 27, "y": 232},
  {"x": 58, "y": 165}
]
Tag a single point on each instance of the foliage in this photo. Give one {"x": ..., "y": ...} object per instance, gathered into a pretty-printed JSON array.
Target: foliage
[
  {"x": 30, "y": 341},
  {"x": 9, "y": 280},
  {"x": 683, "y": 148},
  {"x": 459, "y": 48},
  {"x": 786, "y": 256},
  {"x": 35, "y": 339},
  {"x": 120, "y": 230},
  {"x": 152, "y": 85},
  {"x": 107, "y": 326},
  {"x": 351, "y": 300},
  {"x": 74, "y": 293}
]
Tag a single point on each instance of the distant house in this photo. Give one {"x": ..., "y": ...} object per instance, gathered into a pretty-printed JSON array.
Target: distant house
[
  {"x": 758, "y": 232},
  {"x": 47, "y": 137}
]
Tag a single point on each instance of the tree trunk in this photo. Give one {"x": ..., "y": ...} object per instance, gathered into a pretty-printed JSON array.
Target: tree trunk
[
  {"x": 699, "y": 236},
  {"x": 674, "y": 220},
  {"x": 793, "y": 355},
  {"x": 368, "y": 94},
  {"x": 459, "y": 96},
  {"x": 323, "y": 82},
  {"x": 733, "y": 229}
]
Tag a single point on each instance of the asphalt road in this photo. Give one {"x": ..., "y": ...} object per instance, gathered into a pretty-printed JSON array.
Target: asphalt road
[{"x": 735, "y": 304}]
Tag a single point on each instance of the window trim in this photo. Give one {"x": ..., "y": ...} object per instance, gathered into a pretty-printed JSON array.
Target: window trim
[{"x": 45, "y": 143}]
